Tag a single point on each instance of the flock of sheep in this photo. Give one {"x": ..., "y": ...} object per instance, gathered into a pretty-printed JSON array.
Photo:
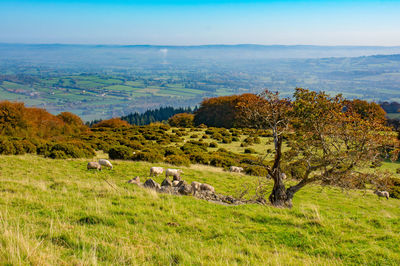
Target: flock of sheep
[{"x": 196, "y": 186}]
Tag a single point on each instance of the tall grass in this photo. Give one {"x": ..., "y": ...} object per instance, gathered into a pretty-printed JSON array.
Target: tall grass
[{"x": 57, "y": 212}]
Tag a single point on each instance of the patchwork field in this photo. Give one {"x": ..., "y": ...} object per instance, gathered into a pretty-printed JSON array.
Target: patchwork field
[{"x": 57, "y": 212}]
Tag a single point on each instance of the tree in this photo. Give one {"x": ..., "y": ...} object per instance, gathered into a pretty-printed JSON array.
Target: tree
[
  {"x": 268, "y": 111},
  {"x": 328, "y": 138},
  {"x": 182, "y": 120},
  {"x": 333, "y": 137}
]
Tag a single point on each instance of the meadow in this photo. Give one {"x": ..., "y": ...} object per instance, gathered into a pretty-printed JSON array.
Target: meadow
[{"x": 57, "y": 212}]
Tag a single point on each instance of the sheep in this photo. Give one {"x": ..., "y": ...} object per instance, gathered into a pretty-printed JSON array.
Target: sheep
[
  {"x": 235, "y": 169},
  {"x": 94, "y": 165},
  {"x": 383, "y": 194},
  {"x": 154, "y": 171},
  {"x": 176, "y": 173},
  {"x": 283, "y": 175},
  {"x": 195, "y": 186},
  {"x": 106, "y": 163},
  {"x": 207, "y": 187}
]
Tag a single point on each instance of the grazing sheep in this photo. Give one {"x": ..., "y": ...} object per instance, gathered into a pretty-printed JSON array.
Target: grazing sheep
[
  {"x": 106, "y": 163},
  {"x": 195, "y": 186},
  {"x": 236, "y": 169},
  {"x": 94, "y": 165},
  {"x": 175, "y": 173},
  {"x": 154, "y": 171},
  {"x": 383, "y": 194},
  {"x": 207, "y": 187}
]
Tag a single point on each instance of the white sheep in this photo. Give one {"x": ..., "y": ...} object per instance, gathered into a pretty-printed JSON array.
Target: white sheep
[
  {"x": 235, "y": 169},
  {"x": 94, "y": 165},
  {"x": 383, "y": 194},
  {"x": 176, "y": 173},
  {"x": 106, "y": 163},
  {"x": 154, "y": 171}
]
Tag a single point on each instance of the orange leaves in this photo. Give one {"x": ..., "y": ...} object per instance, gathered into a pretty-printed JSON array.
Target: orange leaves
[
  {"x": 19, "y": 121},
  {"x": 112, "y": 123},
  {"x": 182, "y": 120}
]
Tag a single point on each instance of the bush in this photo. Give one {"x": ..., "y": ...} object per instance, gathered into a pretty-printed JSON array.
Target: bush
[
  {"x": 57, "y": 154},
  {"x": 177, "y": 160},
  {"x": 6, "y": 147},
  {"x": 226, "y": 140},
  {"x": 172, "y": 151},
  {"x": 200, "y": 158},
  {"x": 194, "y": 136},
  {"x": 394, "y": 188},
  {"x": 256, "y": 170},
  {"x": 213, "y": 145},
  {"x": 249, "y": 150},
  {"x": 221, "y": 161},
  {"x": 149, "y": 155},
  {"x": 120, "y": 152}
]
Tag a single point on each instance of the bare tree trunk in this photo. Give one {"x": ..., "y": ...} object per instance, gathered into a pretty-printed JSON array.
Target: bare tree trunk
[{"x": 278, "y": 196}]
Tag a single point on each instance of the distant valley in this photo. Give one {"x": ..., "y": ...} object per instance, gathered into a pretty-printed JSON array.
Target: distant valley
[{"x": 106, "y": 81}]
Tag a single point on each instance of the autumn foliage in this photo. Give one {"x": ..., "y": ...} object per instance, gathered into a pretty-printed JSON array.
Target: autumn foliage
[
  {"x": 222, "y": 111},
  {"x": 182, "y": 120},
  {"x": 112, "y": 123}
]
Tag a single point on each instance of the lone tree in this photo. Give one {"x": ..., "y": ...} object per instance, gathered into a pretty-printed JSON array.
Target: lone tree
[{"x": 329, "y": 138}]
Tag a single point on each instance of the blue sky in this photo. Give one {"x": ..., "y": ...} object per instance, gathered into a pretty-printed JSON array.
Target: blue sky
[{"x": 193, "y": 22}]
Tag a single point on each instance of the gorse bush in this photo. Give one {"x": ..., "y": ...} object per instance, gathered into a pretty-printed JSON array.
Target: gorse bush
[
  {"x": 120, "y": 152},
  {"x": 177, "y": 160}
]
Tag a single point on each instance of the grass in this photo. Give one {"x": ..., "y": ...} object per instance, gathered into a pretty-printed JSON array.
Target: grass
[{"x": 57, "y": 212}]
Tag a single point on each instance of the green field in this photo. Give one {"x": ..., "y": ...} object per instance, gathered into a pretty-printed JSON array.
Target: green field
[{"x": 55, "y": 212}]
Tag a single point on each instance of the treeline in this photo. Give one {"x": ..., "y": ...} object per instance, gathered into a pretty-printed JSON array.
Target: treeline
[
  {"x": 390, "y": 107},
  {"x": 151, "y": 116}
]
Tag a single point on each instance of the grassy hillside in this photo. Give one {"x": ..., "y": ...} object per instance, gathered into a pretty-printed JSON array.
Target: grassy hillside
[{"x": 57, "y": 212}]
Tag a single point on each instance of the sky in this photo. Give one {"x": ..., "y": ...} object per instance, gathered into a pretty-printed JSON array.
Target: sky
[{"x": 195, "y": 22}]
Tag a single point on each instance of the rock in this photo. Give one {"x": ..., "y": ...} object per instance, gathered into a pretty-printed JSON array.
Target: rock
[
  {"x": 166, "y": 183},
  {"x": 135, "y": 180},
  {"x": 168, "y": 190},
  {"x": 184, "y": 188},
  {"x": 175, "y": 183},
  {"x": 177, "y": 177},
  {"x": 150, "y": 183},
  {"x": 207, "y": 187}
]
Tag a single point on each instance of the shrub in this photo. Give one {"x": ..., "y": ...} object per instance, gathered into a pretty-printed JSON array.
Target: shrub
[
  {"x": 57, "y": 154},
  {"x": 177, "y": 160},
  {"x": 235, "y": 139},
  {"x": 120, "y": 152},
  {"x": 249, "y": 150},
  {"x": 172, "y": 151},
  {"x": 394, "y": 188},
  {"x": 221, "y": 161},
  {"x": 398, "y": 171},
  {"x": 226, "y": 140},
  {"x": 194, "y": 136},
  {"x": 213, "y": 145},
  {"x": 6, "y": 147},
  {"x": 149, "y": 155},
  {"x": 256, "y": 170},
  {"x": 200, "y": 158}
]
